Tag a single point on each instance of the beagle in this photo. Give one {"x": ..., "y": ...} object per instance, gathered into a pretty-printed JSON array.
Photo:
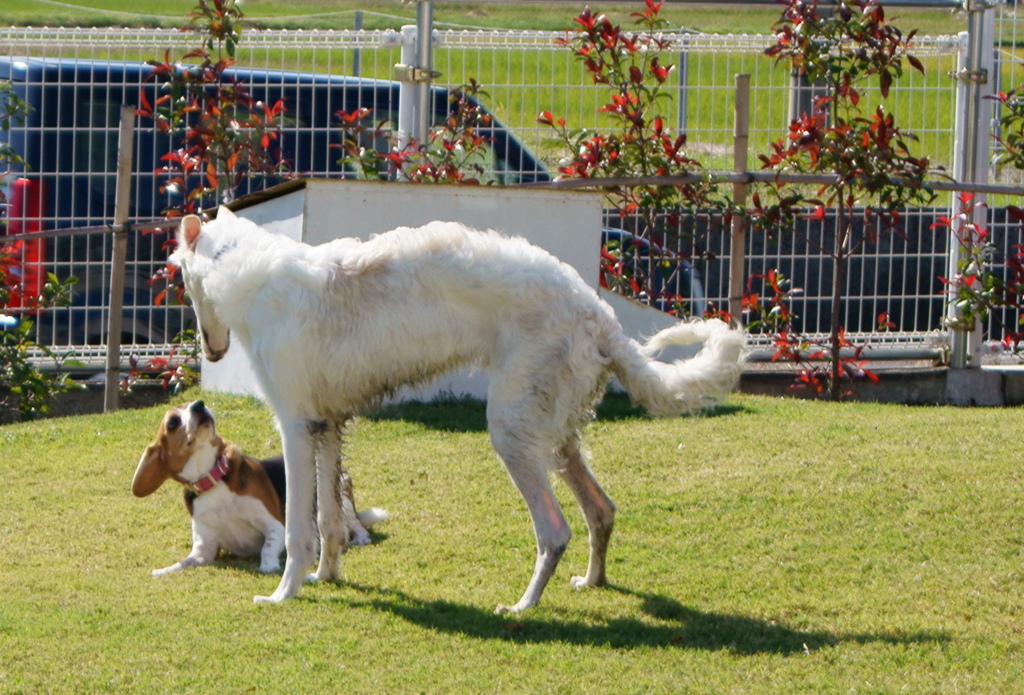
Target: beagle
[{"x": 236, "y": 502}]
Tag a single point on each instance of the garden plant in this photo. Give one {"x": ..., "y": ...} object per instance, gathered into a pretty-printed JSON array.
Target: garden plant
[
  {"x": 664, "y": 220},
  {"x": 225, "y": 135},
  {"x": 25, "y": 387},
  {"x": 848, "y": 136},
  {"x": 988, "y": 285}
]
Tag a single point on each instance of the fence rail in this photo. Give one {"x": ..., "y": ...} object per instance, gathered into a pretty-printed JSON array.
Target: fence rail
[{"x": 524, "y": 73}]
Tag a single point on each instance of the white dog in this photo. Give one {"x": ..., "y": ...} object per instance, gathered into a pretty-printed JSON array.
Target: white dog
[{"x": 331, "y": 328}]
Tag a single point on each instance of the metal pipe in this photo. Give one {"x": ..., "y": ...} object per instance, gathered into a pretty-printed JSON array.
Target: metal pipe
[
  {"x": 152, "y": 223},
  {"x": 425, "y": 63},
  {"x": 970, "y": 165},
  {"x": 749, "y": 177},
  {"x": 357, "y": 54},
  {"x": 937, "y": 355},
  {"x": 683, "y": 100},
  {"x": 407, "y": 88}
]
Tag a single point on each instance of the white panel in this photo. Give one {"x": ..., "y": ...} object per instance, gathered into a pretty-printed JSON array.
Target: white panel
[
  {"x": 567, "y": 224},
  {"x": 281, "y": 214}
]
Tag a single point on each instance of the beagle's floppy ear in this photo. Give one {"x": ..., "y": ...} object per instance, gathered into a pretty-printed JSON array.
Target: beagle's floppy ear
[
  {"x": 151, "y": 472},
  {"x": 188, "y": 232}
]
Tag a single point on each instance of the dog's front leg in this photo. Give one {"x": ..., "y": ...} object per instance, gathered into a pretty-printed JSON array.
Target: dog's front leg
[
  {"x": 273, "y": 544},
  {"x": 300, "y": 535},
  {"x": 203, "y": 553},
  {"x": 190, "y": 561}
]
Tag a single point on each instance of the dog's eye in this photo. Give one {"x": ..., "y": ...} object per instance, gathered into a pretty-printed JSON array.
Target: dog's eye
[{"x": 173, "y": 423}]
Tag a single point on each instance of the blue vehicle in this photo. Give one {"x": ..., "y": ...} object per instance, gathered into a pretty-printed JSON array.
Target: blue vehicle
[
  {"x": 668, "y": 280},
  {"x": 69, "y": 143}
]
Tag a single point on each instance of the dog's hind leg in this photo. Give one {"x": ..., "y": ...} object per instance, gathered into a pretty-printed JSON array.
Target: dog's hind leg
[
  {"x": 598, "y": 510},
  {"x": 528, "y": 464},
  {"x": 357, "y": 534},
  {"x": 329, "y": 518},
  {"x": 300, "y": 536}
]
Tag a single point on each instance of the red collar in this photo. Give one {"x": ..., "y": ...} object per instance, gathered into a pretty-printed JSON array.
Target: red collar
[{"x": 216, "y": 474}]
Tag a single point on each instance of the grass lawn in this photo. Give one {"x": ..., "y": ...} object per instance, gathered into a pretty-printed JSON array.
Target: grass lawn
[
  {"x": 520, "y": 84},
  {"x": 383, "y": 14},
  {"x": 776, "y": 546}
]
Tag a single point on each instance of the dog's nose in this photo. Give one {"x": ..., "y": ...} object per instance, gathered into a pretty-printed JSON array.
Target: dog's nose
[{"x": 198, "y": 407}]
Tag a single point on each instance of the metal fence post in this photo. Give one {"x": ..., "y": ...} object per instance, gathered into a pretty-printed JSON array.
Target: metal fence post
[
  {"x": 683, "y": 102},
  {"x": 357, "y": 54},
  {"x": 416, "y": 73},
  {"x": 425, "y": 63},
  {"x": 738, "y": 243},
  {"x": 125, "y": 143},
  {"x": 406, "y": 87},
  {"x": 975, "y": 65}
]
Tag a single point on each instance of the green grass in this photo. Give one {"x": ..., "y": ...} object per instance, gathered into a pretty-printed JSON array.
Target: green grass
[{"x": 777, "y": 546}]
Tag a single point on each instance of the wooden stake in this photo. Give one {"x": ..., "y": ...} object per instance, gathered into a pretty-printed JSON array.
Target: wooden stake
[{"x": 125, "y": 144}]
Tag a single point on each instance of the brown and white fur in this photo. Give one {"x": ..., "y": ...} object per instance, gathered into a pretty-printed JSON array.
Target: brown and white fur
[
  {"x": 329, "y": 329},
  {"x": 238, "y": 507}
]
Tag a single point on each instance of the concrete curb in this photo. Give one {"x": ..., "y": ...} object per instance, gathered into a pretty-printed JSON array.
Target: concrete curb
[{"x": 987, "y": 387}]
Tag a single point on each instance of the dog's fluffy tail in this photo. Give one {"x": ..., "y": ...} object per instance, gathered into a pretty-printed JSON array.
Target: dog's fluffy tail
[
  {"x": 371, "y": 516},
  {"x": 685, "y": 385}
]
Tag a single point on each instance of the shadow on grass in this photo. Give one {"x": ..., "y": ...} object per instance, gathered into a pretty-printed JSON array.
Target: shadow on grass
[
  {"x": 466, "y": 414},
  {"x": 667, "y": 624}
]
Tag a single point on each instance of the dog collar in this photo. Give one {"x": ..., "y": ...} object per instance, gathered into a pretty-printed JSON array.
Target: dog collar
[{"x": 216, "y": 474}]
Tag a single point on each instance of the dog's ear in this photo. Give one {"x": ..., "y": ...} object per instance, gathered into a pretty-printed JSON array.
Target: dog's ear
[
  {"x": 151, "y": 472},
  {"x": 224, "y": 213},
  {"x": 188, "y": 232}
]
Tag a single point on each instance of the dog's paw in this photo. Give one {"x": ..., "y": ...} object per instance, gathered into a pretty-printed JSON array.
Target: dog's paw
[
  {"x": 324, "y": 574},
  {"x": 266, "y": 599},
  {"x": 166, "y": 570},
  {"x": 502, "y": 609},
  {"x": 275, "y": 598},
  {"x": 584, "y": 582},
  {"x": 270, "y": 567},
  {"x": 359, "y": 538}
]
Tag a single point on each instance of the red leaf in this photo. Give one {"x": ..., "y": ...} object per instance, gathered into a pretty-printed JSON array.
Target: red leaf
[
  {"x": 884, "y": 82},
  {"x": 146, "y": 109}
]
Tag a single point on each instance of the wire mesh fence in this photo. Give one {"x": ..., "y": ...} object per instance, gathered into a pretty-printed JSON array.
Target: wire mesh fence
[{"x": 76, "y": 80}]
